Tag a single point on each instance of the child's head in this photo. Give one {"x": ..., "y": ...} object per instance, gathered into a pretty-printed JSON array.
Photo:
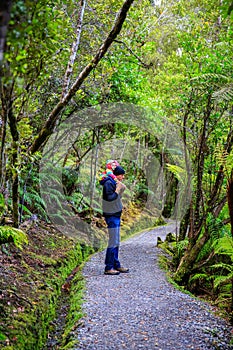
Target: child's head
[{"x": 112, "y": 164}]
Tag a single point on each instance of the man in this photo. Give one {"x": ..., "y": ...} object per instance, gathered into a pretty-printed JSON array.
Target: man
[{"x": 112, "y": 209}]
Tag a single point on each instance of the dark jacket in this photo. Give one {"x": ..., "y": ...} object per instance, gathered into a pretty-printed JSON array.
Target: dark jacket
[{"x": 111, "y": 204}]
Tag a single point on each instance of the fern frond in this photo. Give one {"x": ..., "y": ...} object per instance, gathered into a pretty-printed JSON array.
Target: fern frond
[
  {"x": 180, "y": 246},
  {"x": 225, "y": 94},
  {"x": 59, "y": 194},
  {"x": 223, "y": 266},
  {"x": 177, "y": 171},
  {"x": 224, "y": 246},
  {"x": 222, "y": 280},
  {"x": 32, "y": 197},
  {"x": 25, "y": 209},
  {"x": 211, "y": 79},
  {"x": 200, "y": 276}
]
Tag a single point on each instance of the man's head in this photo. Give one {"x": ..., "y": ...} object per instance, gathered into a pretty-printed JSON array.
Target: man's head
[{"x": 119, "y": 173}]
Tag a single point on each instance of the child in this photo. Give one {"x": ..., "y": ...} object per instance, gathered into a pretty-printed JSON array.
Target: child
[{"x": 110, "y": 166}]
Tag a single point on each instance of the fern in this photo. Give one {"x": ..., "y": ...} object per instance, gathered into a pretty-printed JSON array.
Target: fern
[
  {"x": 33, "y": 203},
  {"x": 2, "y": 204},
  {"x": 177, "y": 171},
  {"x": 26, "y": 210},
  {"x": 223, "y": 266},
  {"x": 222, "y": 85},
  {"x": 224, "y": 245},
  {"x": 216, "y": 230},
  {"x": 11, "y": 234},
  {"x": 223, "y": 280},
  {"x": 225, "y": 94},
  {"x": 224, "y": 158},
  {"x": 200, "y": 276},
  {"x": 179, "y": 250},
  {"x": 180, "y": 246},
  {"x": 211, "y": 80}
]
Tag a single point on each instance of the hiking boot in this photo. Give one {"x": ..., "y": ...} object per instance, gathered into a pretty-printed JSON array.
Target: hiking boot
[
  {"x": 111, "y": 272},
  {"x": 122, "y": 269}
]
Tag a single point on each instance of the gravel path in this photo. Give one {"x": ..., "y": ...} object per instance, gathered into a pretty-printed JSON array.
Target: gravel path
[{"x": 141, "y": 310}]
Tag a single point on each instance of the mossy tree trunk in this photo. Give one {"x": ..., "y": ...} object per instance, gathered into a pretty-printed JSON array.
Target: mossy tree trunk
[
  {"x": 9, "y": 115},
  {"x": 15, "y": 176},
  {"x": 2, "y": 148},
  {"x": 230, "y": 207},
  {"x": 188, "y": 260},
  {"x": 5, "y": 7}
]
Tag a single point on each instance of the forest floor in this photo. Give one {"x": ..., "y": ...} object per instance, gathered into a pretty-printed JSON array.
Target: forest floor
[{"x": 141, "y": 309}]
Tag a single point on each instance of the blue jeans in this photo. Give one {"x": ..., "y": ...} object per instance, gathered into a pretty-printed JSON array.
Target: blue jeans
[{"x": 111, "y": 259}]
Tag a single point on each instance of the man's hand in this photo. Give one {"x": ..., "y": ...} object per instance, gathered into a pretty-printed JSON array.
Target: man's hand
[{"x": 120, "y": 187}]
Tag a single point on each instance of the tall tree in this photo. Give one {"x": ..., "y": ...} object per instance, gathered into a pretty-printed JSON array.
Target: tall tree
[
  {"x": 5, "y": 7},
  {"x": 19, "y": 97}
]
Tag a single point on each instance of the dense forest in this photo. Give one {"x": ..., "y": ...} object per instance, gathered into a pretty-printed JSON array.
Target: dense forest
[{"x": 148, "y": 83}]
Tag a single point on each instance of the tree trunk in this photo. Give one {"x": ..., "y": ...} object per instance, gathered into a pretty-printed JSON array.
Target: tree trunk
[
  {"x": 74, "y": 49},
  {"x": 2, "y": 147},
  {"x": 200, "y": 171},
  {"x": 197, "y": 223},
  {"x": 230, "y": 200},
  {"x": 184, "y": 224},
  {"x": 5, "y": 7},
  {"x": 186, "y": 264},
  {"x": 15, "y": 176},
  {"x": 94, "y": 161}
]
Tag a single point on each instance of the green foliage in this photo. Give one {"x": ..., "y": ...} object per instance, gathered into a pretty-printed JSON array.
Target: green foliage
[
  {"x": 224, "y": 246},
  {"x": 216, "y": 229},
  {"x": 179, "y": 250},
  {"x": 177, "y": 171},
  {"x": 223, "y": 279},
  {"x": 2, "y": 337},
  {"x": 2, "y": 204},
  {"x": 11, "y": 234},
  {"x": 201, "y": 277},
  {"x": 34, "y": 201}
]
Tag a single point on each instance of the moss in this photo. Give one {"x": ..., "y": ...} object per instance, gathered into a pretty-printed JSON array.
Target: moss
[
  {"x": 32, "y": 286},
  {"x": 43, "y": 259},
  {"x": 75, "y": 311}
]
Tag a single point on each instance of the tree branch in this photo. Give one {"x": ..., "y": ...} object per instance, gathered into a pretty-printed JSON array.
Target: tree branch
[
  {"x": 145, "y": 65},
  {"x": 220, "y": 174},
  {"x": 51, "y": 121}
]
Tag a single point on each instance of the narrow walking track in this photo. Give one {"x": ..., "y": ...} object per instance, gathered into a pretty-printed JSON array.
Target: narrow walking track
[{"x": 141, "y": 310}]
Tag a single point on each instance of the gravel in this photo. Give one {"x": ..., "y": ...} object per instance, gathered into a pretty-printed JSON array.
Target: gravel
[{"x": 140, "y": 309}]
